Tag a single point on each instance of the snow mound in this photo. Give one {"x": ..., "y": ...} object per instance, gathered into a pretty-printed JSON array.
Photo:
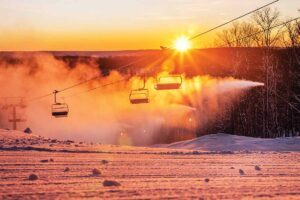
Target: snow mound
[
  {"x": 13, "y": 135},
  {"x": 18, "y": 139},
  {"x": 226, "y": 142}
]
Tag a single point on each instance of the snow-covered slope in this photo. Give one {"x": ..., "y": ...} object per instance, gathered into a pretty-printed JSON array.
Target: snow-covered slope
[
  {"x": 216, "y": 142},
  {"x": 226, "y": 142},
  {"x": 18, "y": 140}
]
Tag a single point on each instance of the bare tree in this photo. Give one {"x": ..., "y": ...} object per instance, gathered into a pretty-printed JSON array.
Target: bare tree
[
  {"x": 238, "y": 35},
  {"x": 266, "y": 19},
  {"x": 292, "y": 34},
  {"x": 224, "y": 39},
  {"x": 248, "y": 35},
  {"x": 298, "y": 30}
]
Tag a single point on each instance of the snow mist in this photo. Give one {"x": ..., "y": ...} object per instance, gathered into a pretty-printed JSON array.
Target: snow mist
[{"x": 105, "y": 115}]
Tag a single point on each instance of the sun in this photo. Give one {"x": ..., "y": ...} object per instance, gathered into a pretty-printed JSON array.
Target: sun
[{"x": 182, "y": 44}]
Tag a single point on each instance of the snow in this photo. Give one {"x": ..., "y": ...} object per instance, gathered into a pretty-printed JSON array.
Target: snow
[
  {"x": 194, "y": 172},
  {"x": 12, "y": 135},
  {"x": 220, "y": 142},
  {"x": 226, "y": 142}
]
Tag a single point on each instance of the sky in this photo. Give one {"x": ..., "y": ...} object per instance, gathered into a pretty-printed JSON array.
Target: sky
[{"x": 30, "y": 25}]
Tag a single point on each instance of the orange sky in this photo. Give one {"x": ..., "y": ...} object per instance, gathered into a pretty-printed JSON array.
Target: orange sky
[{"x": 116, "y": 24}]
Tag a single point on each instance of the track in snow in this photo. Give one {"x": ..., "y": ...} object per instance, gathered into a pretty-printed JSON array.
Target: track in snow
[{"x": 154, "y": 176}]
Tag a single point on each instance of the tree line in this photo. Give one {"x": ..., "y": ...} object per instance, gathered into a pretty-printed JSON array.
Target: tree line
[{"x": 273, "y": 110}]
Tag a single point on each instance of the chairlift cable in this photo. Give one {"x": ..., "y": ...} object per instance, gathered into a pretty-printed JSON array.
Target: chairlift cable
[
  {"x": 230, "y": 21},
  {"x": 86, "y": 81},
  {"x": 99, "y": 76},
  {"x": 101, "y": 86},
  {"x": 105, "y": 85},
  {"x": 39, "y": 97},
  {"x": 261, "y": 31}
]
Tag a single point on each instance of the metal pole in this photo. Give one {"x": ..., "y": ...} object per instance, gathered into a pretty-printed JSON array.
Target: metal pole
[
  {"x": 55, "y": 92},
  {"x": 14, "y": 121}
]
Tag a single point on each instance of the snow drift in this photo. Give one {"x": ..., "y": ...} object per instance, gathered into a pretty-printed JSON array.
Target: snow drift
[
  {"x": 13, "y": 135},
  {"x": 226, "y": 142}
]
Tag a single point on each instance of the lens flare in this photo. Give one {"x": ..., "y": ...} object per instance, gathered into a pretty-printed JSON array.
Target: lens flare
[{"x": 182, "y": 44}]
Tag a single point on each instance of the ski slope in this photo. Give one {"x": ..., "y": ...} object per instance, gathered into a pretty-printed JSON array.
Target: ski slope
[{"x": 33, "y": 167}]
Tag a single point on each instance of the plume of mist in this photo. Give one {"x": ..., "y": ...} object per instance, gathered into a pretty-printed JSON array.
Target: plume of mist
[{"x": 106, "y": 115}]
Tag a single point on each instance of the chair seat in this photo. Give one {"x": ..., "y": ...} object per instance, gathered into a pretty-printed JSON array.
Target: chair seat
[
  {"x": 167, "y": 86},
  {"x": 60, "y": 114},
  {"x": 139, "y": 101}
]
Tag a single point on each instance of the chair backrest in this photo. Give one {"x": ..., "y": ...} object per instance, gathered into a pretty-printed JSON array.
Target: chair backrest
[
  {"x": 170, "y": 82},
  {"x": 60, "y": 110}
]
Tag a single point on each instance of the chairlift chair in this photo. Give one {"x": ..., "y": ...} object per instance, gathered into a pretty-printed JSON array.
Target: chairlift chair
[
  {"x": 139, "y": 96},
  {"x": 59, "y": 109},
  {"x": 174, "y": 84}
]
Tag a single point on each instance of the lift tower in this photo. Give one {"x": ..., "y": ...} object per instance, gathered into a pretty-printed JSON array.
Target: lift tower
[{"x": 12, "y": 105}]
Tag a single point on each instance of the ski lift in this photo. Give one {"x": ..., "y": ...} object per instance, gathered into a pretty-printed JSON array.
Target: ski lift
[
  {"x": 59, "y": 109},
  {"x": 139, "y": 96},
  {"x": 170, "y": 82}
]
